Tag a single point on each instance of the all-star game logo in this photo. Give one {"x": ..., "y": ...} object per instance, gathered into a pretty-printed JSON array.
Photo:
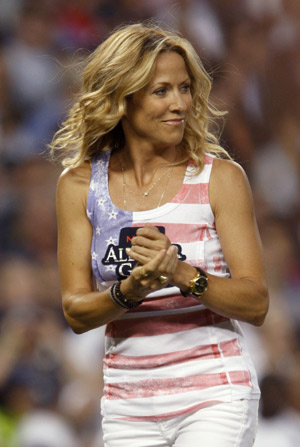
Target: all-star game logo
[{"x": 116, "y": 254}]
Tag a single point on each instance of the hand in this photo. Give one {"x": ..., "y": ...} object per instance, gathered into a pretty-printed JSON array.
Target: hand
[
  {"x": 147, "y": 243},
  {"x": 153, "y": 275}
]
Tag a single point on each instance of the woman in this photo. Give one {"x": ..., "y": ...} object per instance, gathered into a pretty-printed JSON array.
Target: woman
[{"x": 148, "y": 211}]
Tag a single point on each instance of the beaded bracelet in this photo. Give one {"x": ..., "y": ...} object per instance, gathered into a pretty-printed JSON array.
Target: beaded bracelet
[{"x": 118, "y": 298}]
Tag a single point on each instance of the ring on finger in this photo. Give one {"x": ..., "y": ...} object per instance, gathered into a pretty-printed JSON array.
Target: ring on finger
[
  {"x": 162, "y": 279},
  {"x": 143, "y": 273}
]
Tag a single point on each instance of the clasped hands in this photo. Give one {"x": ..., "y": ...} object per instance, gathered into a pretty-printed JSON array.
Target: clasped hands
[{"x": 155, "y": 256}]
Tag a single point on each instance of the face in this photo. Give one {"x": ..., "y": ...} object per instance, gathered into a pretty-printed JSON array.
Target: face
[{"x": 157, "y": 113}]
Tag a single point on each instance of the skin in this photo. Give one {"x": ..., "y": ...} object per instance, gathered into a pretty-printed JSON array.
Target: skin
[{"x": 153, "y": 128}]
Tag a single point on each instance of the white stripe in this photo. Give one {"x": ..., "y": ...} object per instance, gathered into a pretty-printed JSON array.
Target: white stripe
[
  {"x": 185, "y": 369},
  {"x": 168, "y": 403},
  {"x": 195, "y": 212},
  {"x": 166, "y": 343},
  {"x": 192, "y": 179},
  {"x": 168, "y": 291}
]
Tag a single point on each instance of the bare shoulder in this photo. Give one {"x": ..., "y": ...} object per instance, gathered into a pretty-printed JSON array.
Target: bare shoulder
[
  {"x": 228, "y": 181},
  {"x": 74, "y": 182},
  {"x": 79, "y": 175},
  {"x": 227, "y": 171}
]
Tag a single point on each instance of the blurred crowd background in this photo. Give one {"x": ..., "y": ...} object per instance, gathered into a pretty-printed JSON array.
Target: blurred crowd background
[{"x": 50, "y": 378}]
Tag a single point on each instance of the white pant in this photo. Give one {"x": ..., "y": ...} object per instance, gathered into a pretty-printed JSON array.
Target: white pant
[{"x": 231, "y": 424}]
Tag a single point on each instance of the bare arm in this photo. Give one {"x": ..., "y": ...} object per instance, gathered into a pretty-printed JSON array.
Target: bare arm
[
  {"x": 84, "y": 308},
  {"x": 244, "y": 296}
]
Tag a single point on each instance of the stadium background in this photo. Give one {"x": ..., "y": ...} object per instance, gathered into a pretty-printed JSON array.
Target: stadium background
[{"x": 50, "y": 379}]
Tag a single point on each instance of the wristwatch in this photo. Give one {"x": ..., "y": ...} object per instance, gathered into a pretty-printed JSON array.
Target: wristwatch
[{"x": 198, "y": 285}]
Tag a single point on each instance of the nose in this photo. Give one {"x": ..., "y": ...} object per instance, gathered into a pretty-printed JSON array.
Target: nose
[{"x": 177, "y": 102}]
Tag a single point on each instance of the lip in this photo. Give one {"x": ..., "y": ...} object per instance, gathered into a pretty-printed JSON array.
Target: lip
[{"x": 174, "y": 122}]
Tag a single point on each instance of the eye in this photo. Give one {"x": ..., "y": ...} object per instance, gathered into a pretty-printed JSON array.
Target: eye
[
  {"x": 186, "y": 88},
  {"x": 160, "y": 91}
]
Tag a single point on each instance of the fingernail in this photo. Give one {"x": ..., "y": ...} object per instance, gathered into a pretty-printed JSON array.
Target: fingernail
[{"x": 127, "y": 250}]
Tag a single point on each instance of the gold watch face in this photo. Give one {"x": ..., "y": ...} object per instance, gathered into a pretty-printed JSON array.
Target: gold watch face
[{"x": 199, "y": 285}]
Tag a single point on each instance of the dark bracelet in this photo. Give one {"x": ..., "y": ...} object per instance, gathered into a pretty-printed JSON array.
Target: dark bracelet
[{"x": 118, "y": 298}]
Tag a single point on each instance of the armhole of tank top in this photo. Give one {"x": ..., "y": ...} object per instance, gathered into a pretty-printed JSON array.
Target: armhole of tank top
[
  {"x": 89, "y": 209},
  {"x": 208, "y": 187}
]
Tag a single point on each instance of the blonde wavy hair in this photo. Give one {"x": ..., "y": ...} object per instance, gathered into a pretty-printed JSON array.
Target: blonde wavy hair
[{"x": 122, "y": 65}]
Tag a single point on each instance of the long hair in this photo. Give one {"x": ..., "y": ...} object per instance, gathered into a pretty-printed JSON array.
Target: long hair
[{"x": 122, "y": 65}]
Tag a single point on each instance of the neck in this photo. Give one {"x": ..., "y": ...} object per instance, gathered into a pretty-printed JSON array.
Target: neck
[{"x": 142, "y": 162}]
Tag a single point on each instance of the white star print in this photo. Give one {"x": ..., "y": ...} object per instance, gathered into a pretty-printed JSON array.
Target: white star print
[
  {"x": 89, "y": 214},
  {"x": 100, "y": 163},
  {"x": 111, "y": 240},
  {"x": 98, "y": 230},
  {"x": 100, "y": 202},
  {"x": 112, "y": 215},
  {"x": 94, "y": 256},
  {"x": 110, "y": 268}
]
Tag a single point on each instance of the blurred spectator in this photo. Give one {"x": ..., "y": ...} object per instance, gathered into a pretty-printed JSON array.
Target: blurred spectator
[
  {"x": 242, "y": 89},
  {"x": 9, "y": 13},
  {"x": 259, "y": 9},
  {"x": 279, "y": 425},
  {"x": 286, "y": 32},
  {"x": 45, "y": 429},
  {"x": 252, "y": 50},
  {"x": 275, "y": 346},
  {"x": 30, "y": 368},
  {"x": 78, "y": 24},
  {"x": 32, "y": 81},
  {"x": 276, "y": 168}
]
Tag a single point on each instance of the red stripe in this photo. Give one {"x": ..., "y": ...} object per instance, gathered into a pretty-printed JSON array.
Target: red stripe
[
  {"x": 241, "y": 378},
  {"x": 208, "y": 159},
  {"x": 230, "y": 348},
  {"x": 163, "y": 387},
  {"x": 192, "y": 193},
  {"x": 166, "y": 303},
  {"x": 217, "y": 263},
  {"x": 163, "y": 324},
  {"x": 204, "y": 352},
  {"x": 160, "y": 417}
]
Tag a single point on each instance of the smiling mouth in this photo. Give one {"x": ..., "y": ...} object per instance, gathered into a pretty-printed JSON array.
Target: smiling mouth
[{"x": 174, "y": 122}]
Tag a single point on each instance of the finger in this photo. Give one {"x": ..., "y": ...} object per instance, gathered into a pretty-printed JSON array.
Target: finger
[
  {"x": 152, "y": 265},
  {"x": 150, "y": 268},
  {"x": 139, "y": 257},
  {"x": 143, "y": 251},
  {"x": 169, "y": 262},
  {"x": 150, "y": 232},
  {"x": 151, "y": 244},
  {"x": 148, "y": 225},
  {"x": 142, "y": 272},
  {"x": 142, "y": 242}
]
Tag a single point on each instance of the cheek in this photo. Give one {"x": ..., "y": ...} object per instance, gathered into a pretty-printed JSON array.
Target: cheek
[
  {"x": 189, "y": 103},
  {"x": 156, "y": 108}
]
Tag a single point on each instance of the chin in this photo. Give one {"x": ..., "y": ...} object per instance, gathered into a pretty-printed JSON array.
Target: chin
[{"x": 172, "y": 141}]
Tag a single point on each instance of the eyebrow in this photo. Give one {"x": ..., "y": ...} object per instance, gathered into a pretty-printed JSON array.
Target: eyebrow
[{"x": 163, "y": 83}]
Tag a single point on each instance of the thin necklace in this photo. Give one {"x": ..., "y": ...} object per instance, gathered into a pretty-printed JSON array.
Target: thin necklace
[
  {"x": 145, "y": 193},
  {"x": 165, "y": 188}
]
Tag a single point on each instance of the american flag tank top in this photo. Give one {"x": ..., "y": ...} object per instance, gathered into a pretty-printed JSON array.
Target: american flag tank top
[{"x": 171, "y": 355}]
